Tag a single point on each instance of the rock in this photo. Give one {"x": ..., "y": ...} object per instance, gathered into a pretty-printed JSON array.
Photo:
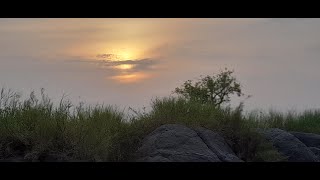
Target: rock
[
  {"x": 309, "y": 139},
  {"x": 218, "y": 145},
  {"x": 289, "y": 146},
  {"x": 175, "y": 143},
  {"x": 316, "y": 151}
]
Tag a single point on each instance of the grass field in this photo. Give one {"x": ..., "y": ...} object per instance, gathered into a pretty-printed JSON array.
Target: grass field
[{"x": 102, "y": 133}]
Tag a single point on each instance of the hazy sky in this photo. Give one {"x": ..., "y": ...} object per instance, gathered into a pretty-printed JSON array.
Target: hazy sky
[{"x": 129, "y": 61}]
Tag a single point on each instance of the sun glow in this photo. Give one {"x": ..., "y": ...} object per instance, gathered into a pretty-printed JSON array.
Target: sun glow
[
  {"x": 120, "y": 57},
  {"x": 124, "y": 66},
  {"x": 121, "y": 54},
  {"x": 130, "y": 78},
  {"x": 126, "y": 55}
]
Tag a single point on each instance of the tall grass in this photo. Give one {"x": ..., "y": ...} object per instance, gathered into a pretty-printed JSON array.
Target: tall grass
[
  {"x": 38, "y": 128},
  {"x": 239, "y": 133},
  {"x": 86, "y": 133},
  {"x": 306, "y": 121}
]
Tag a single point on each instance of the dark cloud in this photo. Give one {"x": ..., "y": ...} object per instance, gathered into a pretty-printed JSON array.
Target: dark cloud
[
  {"x": 136, "y": 61},
  {"x": 138, "y": 65},
  {"x": 107, "y": 56}
]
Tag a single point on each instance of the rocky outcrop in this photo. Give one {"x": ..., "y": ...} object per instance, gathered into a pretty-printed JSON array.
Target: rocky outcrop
[
  {"x": 217, "y": 145},
  {"x": 309, "y": 139},
  {"x": 177, "y": 143},
  {"x": 289, "y": 145}
]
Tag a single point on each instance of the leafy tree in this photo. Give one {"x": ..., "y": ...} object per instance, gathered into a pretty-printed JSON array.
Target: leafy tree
[{"x": 215, "y": 89}]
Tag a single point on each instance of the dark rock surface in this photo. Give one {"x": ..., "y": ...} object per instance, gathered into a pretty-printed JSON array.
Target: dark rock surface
[
  {"x": 177, "y": 143},
  {"x": 309, "y": 139},
  {"x": 290, "y": 146},
  {"x": 316, "y": 151},
  {"x": 218, "y": 145}
]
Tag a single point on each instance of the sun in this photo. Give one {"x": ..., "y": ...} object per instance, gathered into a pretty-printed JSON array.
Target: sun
[
  {"x": 125, "y": 55},
  {"x": 129, "y": 53}
]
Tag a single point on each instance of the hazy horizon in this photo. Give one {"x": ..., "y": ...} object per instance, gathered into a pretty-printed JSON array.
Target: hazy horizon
[{"x": 130, "y": 61}]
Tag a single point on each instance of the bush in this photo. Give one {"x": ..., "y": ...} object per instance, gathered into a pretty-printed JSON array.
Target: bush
[{"x": 215, "y": 89}]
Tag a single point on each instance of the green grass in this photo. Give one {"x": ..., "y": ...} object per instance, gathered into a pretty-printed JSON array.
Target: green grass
[
  {"x": 87, "y": 133},
  {"x": 306, "y": 121},
  {"x": 102, "y": 133}
]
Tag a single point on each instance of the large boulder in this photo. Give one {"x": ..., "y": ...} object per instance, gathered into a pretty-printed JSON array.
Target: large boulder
[
  {"x": 177, "y": 143},
  {"x": 309, "y": 139},
  {"x": 218, "y": 145},
  {"x": 289, "y": 146},
  {"x": 316, "y": 151}
]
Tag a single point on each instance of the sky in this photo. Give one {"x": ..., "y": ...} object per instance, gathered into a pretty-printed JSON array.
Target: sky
[{"x": 128, "y": 62}]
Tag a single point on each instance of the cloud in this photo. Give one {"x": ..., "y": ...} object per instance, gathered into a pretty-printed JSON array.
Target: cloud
[
  {"x": 138, "y": 65},
  {"x": 119, "y": 66},
  {"x": 107, "y": 56}
]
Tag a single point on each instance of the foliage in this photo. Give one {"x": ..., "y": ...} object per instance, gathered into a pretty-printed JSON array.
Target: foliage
[{"x": 215, "y": 89}]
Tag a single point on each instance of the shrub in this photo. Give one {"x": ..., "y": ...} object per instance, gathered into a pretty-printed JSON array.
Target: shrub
[{"x": 215, "y": 89}]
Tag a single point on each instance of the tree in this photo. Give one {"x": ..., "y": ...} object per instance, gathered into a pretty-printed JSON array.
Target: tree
[{"x": 215, "y": 89}]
